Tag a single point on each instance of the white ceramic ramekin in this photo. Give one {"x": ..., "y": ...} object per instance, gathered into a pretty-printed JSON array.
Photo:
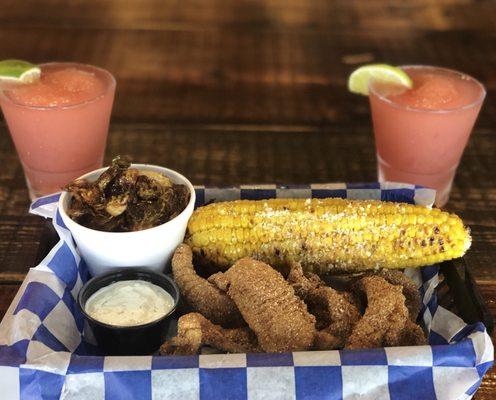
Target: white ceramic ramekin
[{"x": 151, "y": 248}]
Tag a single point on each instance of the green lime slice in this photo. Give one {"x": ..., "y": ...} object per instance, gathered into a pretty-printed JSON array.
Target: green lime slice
[
  {"x": 17, "y": 71},
  {"x": 359, "y": 80}
]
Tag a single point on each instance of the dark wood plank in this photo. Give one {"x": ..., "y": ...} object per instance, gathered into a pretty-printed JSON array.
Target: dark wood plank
[
  {"x": 230, "y": 76},
  {"x": 7, "y": 293},
  {"x": 487, "y": 389},
  {"x": 252, "y": 15}
]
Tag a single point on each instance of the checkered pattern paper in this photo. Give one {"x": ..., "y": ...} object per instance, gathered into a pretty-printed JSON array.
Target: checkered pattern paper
[{"x": 47, "y": 352}]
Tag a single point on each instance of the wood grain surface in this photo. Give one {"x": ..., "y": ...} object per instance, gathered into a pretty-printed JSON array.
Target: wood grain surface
[{"x": 231, "y": 92}]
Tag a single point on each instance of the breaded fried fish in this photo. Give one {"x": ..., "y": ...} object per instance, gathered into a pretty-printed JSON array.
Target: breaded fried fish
[
  {"x": 386, "y": 320},
  {"x": 336, "y": 316},
  {"x": 269, "y": 305},
  {"x": 195, "y": 331},
  {"x": 201, "y": 295}
]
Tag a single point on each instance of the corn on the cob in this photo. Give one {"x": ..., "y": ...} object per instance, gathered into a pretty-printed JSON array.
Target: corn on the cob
[{"x": 326, "y": 234}]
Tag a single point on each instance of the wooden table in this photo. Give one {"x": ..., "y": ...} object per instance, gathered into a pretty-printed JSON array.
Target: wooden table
[{"x": 253, "y": 91}]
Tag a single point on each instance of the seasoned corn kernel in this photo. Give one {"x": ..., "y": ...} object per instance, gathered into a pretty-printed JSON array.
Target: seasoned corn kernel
[{"x": 326, "y": 234}]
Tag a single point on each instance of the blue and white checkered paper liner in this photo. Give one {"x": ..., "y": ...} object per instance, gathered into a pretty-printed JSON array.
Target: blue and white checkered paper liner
[{"x": 44, "y": 354}]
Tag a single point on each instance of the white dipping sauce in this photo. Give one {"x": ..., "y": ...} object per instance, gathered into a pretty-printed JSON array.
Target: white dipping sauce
[{"x": 129, "y": 303}]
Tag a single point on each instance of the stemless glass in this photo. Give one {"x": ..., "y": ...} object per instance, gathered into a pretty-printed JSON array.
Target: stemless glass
[
  {"x": 424, "y": 145},
  {"x": 61, "y": 139}
]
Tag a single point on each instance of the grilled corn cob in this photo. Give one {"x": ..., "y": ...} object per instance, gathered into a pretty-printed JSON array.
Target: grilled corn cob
[{"x": 326, "y": 234}]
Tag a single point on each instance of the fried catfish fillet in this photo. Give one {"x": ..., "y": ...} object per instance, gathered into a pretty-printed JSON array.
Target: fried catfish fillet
[
  {"x": 269, "y": 305},
  {"x": 386, "y": 320},
  {"x": 195, "y": 331},
  {"x": 336, "y": 315},
  {"x": 410, "y": 290},
  {"x": 201, "y": 295}
]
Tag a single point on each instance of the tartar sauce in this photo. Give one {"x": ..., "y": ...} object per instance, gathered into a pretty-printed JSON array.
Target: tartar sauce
[{"x": 129, "y": 303}]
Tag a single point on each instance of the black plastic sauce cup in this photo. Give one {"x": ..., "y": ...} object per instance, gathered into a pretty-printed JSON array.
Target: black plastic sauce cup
[{"x": 129, "y": 340}]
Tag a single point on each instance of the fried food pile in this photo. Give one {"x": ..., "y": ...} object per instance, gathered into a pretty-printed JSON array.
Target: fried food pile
[
  {"x": 201, "y": 295},
  {"x": 268, "y": 304},
  {"x": 124, "y": 199},
  {"x": 326, "y": 235},
  {"x": 252, "y": 307}
]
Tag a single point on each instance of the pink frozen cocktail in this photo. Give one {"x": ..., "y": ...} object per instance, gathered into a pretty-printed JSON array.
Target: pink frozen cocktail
[
  {"x": 421, "y": 132},
  {"x": 59, "y": 124}
]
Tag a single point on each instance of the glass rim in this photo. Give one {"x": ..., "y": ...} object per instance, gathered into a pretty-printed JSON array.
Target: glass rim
[
  {"x": 472, "y": 104},
  {"x": 111, "y": 86}
]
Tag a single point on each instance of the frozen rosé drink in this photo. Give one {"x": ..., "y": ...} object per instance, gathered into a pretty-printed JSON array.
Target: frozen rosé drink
[
  {"x": 59, "y": 124},
  {"x": 420, "y": 133}
]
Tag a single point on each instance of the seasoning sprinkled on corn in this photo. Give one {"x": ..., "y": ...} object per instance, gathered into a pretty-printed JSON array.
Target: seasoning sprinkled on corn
[{"x": 326, "y": 234}]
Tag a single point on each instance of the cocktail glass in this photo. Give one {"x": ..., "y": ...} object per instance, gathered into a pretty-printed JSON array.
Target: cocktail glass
[
  {"x": 59, "y": 125},
  {"x": 420, "y": 134}
]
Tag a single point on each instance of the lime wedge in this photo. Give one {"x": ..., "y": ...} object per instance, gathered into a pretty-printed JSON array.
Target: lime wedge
[
  {"x": 17, "y": 71},
  {"x": 359, "y": 80}
]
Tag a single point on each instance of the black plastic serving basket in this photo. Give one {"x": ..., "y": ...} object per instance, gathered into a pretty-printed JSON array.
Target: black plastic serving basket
[{"x": 459, "y": 293}]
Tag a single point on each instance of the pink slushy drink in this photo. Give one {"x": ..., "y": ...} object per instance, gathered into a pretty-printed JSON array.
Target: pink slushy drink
[
  {"x": 59, "y": 124},
  {"x": 421, "y": 133}
]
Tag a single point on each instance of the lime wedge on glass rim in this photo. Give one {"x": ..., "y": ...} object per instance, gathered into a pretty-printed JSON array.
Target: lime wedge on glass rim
[
  {"x": 358, "y": 81},
  {"x": 18, "y": 72}
]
